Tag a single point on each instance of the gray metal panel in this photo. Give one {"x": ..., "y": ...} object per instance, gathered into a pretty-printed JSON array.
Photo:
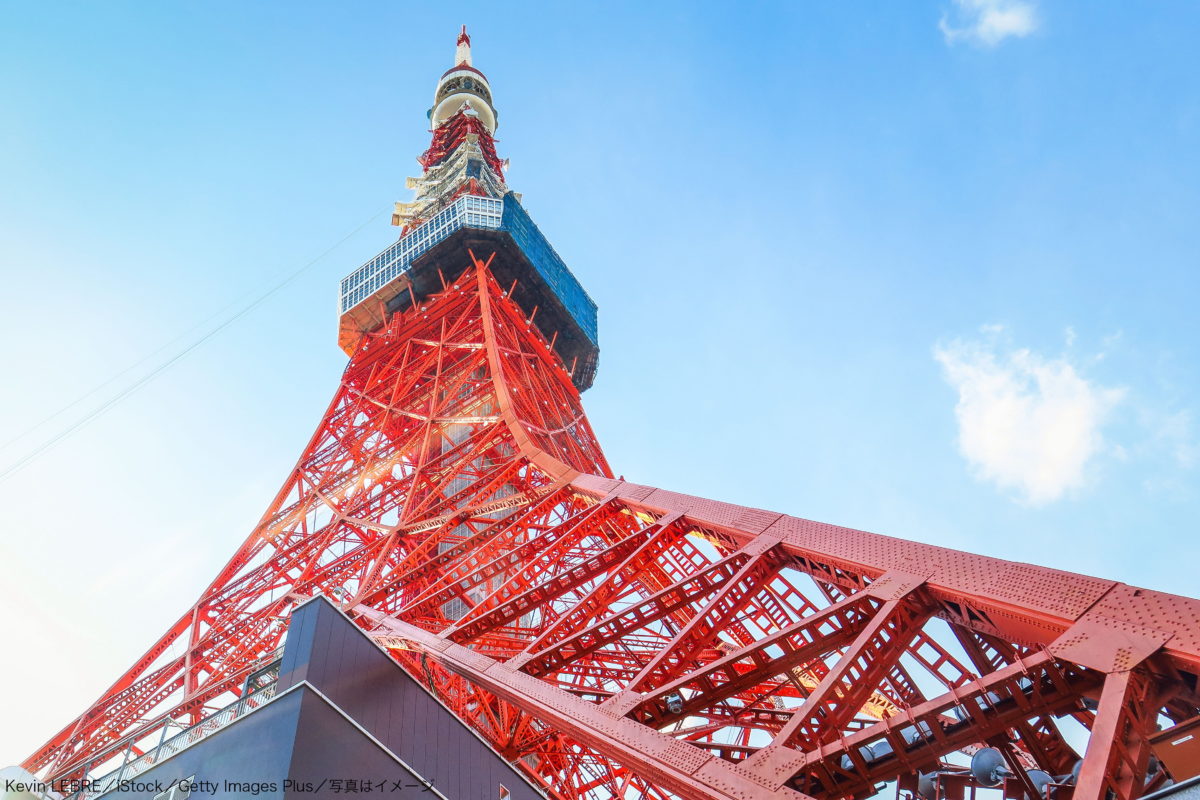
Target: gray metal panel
[
  {"x": 258, "y": 747},
  {"x": 1186, "y": 790},
  {"x": 351, "y": 670},
  {"x": 329, "y": 747}
]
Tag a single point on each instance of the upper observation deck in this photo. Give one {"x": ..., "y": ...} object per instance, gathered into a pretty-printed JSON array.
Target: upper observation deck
[{"x": 565, "y": 313}]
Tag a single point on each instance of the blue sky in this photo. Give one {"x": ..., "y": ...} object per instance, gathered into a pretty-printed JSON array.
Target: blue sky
[{"x": 928, "y": 269}]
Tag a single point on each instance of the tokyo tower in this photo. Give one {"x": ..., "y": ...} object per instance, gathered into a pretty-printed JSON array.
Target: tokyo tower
[{"x": 615, "y": 640}]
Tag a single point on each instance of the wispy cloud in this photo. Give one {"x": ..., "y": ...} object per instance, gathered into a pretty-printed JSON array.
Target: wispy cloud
[
  {"x": 1176, "y": 432},
  {"x": 988, "y": 22},
  {"x": 1025, "y": 422}
]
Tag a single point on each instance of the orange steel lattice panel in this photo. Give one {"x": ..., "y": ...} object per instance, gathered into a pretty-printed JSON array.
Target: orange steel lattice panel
[{"x": 617, "y": 640}]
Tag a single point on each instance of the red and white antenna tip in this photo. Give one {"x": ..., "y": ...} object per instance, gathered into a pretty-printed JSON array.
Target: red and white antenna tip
[{"x": 462, "y": 53}]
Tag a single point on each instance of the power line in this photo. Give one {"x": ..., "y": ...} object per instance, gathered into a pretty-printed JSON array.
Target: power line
[
  {"x": 112, "y": 379},
  {"x": 158, "y": 370}
]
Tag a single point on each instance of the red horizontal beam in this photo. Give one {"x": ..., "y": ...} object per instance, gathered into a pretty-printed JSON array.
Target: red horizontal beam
[{"x": 990, "y": 595}]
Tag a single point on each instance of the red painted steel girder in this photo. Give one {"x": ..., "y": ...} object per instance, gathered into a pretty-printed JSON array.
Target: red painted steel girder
[
  {"x": 617, "y": 640},
  {"x": 451, "y": 133}
]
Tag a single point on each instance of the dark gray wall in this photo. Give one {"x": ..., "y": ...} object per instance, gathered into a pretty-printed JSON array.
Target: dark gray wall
[
  {"x": 312, "y": 736},
  {"x": 330, "y": 652},
  {"x": 299, "y": 737},
  {"x": 329, "y": 747},
  {"x": 258, "y": 747}
]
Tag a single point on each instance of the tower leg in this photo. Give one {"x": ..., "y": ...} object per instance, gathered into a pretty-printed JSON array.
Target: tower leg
[{"x": 1118, "y": 751}]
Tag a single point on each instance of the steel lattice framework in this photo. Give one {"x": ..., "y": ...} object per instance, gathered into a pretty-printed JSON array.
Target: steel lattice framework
[{"x": 617, "y": 640}]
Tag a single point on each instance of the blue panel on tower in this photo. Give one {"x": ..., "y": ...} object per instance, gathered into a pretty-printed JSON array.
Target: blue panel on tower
[
  {"x": 548, "y": 264},
  {"x": 416, "y": 265}
]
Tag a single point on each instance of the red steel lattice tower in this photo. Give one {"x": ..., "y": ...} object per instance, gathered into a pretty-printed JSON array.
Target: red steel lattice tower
[{"x": 613, "y": 639}]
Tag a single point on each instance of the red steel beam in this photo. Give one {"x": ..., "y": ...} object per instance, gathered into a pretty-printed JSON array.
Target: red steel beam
[
  {"x": 675, "y": 766},
  {"x": 456, "y": 463}
]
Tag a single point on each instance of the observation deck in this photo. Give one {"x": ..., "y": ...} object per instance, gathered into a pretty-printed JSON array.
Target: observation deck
[{"x": 566, "y": 315}]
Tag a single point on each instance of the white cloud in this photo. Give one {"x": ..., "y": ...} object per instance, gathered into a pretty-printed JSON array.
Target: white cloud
[
  {"x": 1176, "y": 432},
  {"x": 989, "y": 22},
  {"x": 1025, "y": 422}
]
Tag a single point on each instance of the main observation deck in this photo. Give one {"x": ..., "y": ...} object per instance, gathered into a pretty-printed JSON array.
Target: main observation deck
[{"x": 381, "y": 287}]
